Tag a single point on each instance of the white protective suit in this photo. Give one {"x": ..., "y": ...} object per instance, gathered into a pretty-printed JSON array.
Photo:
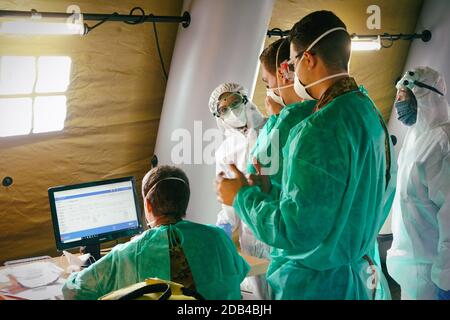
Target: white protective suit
[
  {"x": 236, "y": 148},
  {"x": 419, "y": 259}
]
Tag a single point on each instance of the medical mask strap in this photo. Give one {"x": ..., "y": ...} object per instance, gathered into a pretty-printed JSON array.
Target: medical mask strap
[
  {"x": 326, "y": 78},
  {"x": 286, "y": 86},
  {"x": 311, "y": 46},
  {"x": 169, "y": 178},
  {"x": 276, "y": 71},
  {"x": 324, "y": 35},
  {"x": 283, "y": 87}
]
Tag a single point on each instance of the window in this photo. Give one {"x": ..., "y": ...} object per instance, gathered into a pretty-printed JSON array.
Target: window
[{"x": 32, "y": 94}]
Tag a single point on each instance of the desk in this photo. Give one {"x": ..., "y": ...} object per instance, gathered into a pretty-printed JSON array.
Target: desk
[{"x": 257, "y": 266}]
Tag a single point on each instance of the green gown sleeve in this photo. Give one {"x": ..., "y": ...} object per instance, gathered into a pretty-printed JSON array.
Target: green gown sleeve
[
  {"x": 94, "y": 281},
  {"x": 262, "y": 136},
  {"x": 240, "y": 264}
]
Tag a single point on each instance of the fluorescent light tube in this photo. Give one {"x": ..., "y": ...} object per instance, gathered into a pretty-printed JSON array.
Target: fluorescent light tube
[{"x": 359, "y": 44}]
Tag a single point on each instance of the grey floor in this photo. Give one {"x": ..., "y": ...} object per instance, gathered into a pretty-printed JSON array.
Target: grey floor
[
  {"x": 393, "y": 286},
  {"x": 384, "y": 243}
]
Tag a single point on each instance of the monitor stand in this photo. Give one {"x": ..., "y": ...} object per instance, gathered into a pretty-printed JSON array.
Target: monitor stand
[{"x": 94, "y": 250}]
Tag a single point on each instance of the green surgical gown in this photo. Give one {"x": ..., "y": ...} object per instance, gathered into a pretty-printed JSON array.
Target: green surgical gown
[
  {"x": 273, "y": 136},
  {"x": 332, "y": 204},
  {"x": 217, "y": 267}
]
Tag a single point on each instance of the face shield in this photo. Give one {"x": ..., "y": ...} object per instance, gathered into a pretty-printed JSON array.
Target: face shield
[{"x": 229, "y": 101}]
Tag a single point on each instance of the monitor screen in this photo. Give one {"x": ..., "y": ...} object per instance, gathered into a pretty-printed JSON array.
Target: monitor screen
[{"x": 94, "y": 212}]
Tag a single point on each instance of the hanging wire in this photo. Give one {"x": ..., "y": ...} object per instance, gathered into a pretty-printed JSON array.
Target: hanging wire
[
  {"x": 142, "y": 19},
  {"x": 90, "y": 28},
  {"x": 391, "y": 39},
  {"x": 159, "y": 51}
]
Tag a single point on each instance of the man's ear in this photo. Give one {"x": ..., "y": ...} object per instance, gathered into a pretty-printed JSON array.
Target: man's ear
[
  {"x": 280, "y": 76},
  {"x": 311, "y": 60},
  {"x": 283, "y": 77},
  {"x": 148, "y": 206}
]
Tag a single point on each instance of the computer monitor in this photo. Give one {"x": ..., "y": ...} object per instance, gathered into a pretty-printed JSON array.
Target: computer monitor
[{"x": 87, "y": 214}]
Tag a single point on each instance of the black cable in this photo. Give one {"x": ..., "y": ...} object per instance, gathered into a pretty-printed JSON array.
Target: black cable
[
  {"x": 89, "y": 29},
  {"x": 391, "y": 39},
  {"x": 159, "y": 50},
  {"x": 142, "y": 19}
]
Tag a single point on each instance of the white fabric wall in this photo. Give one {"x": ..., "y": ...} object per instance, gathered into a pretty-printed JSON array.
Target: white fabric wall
[
  {"x": 222, "y": 44},
  {"x": 435, "y": 16}
]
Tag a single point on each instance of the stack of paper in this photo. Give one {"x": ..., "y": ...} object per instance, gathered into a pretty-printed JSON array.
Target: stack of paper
[{"x": 36, "y": 281}]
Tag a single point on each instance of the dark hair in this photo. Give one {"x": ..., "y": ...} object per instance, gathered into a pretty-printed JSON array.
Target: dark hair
[
  {"x": 269, "y": 56},
  {"x": 168, "y": 197},
  {"x": 334, "y": 48}
]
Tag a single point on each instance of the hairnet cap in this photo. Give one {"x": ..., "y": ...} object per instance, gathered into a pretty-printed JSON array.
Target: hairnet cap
[{"x": 221, "y": 89}]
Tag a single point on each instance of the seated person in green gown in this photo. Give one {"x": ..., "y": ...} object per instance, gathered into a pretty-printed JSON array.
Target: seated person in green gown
[{"x": 200, "y": 257}]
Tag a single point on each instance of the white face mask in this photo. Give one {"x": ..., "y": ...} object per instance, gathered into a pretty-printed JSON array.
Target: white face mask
[
  {"x": 299, "y": 88},
  {"x": 236, "y": 118},
  {"x": 278, "y": 99}
]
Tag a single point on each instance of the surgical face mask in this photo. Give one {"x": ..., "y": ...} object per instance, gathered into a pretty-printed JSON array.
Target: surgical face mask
[
  {"x": 236, "y": 118},
  {"x": 406, "y": 111},
  {"x": 277, "y": 98},
  {"x": 300, "y": 89}
]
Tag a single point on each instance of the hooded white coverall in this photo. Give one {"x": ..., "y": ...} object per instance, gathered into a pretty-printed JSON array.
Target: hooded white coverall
[{"x": 419, "y": 259}]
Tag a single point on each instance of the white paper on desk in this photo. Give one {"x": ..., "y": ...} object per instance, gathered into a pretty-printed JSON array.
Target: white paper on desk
[
  {"x": 36, "y": 274},
  {"x": 4, "y": 276},
  {"x": 51, "y": 292}
]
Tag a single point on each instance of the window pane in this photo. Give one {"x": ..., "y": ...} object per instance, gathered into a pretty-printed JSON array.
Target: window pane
[
  {"x": 49, "y": 113},
  {"x": 17, "y": 74},
  {"x": 15, "y": 116},
  {"x": 53, "y": 74}
]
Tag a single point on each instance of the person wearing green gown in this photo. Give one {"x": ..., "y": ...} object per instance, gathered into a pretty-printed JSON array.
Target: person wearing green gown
[
  {"x": 338, "y": 181},
  {"x": 285, "y": 109},
  {"x": 200, "y": 257}
]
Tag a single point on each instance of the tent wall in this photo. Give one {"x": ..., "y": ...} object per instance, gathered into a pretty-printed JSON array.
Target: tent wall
[
  {"x": 114, "y": 105},
  {"x": 222, "y": 44},
  {"x": 434, "y": 54}
]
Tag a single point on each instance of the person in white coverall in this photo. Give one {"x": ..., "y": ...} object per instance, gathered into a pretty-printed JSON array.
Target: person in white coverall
[
  {"x": 419, "y": 259},
  {"x": 239, "y": 120}
]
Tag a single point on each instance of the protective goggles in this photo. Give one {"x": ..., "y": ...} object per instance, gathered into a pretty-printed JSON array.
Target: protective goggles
[
  {"x": 229, "y": 103},
  {"x": 409, "y": 80}
]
